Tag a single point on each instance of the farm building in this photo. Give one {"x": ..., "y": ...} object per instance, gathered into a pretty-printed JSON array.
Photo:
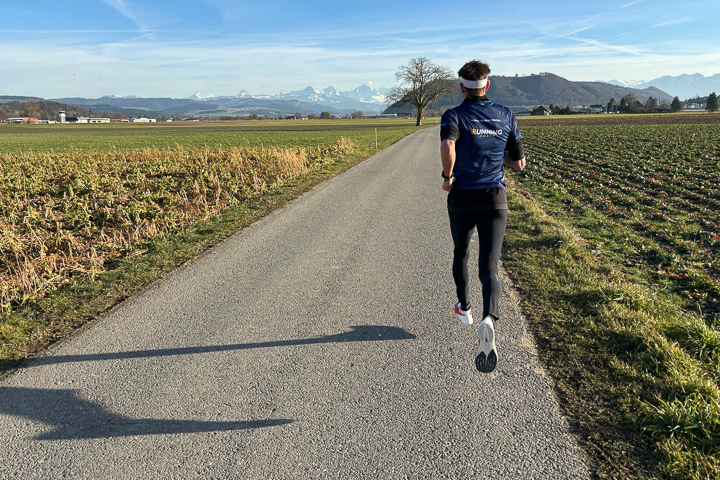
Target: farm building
[
  {"x": 99, "y": 120},
  {"x": 596, "y": 108},
  {"x": 143, "y": 120},
  {"x": 541, "y": 110}
]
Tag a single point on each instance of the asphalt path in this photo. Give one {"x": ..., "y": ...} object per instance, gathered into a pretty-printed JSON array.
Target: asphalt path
[{"x": 317, "y": 343}]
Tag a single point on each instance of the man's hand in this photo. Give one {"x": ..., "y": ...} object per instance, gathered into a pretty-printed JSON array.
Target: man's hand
[
  {"x": 514, "y": 164},
  {"x": 448, "y": 184}
]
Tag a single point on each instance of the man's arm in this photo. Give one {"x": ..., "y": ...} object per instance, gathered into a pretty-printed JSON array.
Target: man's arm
[
  {"x": 447, "y": 155},
  {"x": 515, "y": 147},
  {"x": 514, "y": 164}
]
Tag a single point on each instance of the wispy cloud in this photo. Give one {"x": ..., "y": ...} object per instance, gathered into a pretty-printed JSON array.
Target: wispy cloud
[
  {"x": 124, "y": 9},
  {"x": 56, "y": 32},
  {"x": 674, "y": 21},
  {"x": 631, "y": 4}
]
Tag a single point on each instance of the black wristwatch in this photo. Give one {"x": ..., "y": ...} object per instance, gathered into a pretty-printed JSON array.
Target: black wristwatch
[{"x": 445, "y": 176}]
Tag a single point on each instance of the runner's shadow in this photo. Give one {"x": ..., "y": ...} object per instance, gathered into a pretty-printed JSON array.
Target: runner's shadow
[
  {"x": 361, "y": 333},
  {"x": 74, "y": 418}
]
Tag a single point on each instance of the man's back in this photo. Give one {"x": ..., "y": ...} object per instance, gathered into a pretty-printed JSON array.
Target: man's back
[{"x": 482, "y": 130}]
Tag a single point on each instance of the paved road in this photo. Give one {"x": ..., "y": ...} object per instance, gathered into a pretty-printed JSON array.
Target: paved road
[{"x": 318, "y": 343}]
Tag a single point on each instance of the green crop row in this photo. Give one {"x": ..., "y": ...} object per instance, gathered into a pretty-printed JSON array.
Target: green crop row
[{"x": 628, "y": 287}]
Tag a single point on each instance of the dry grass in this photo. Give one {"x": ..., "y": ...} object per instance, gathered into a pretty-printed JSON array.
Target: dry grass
[{"x": 69, "y": 215}]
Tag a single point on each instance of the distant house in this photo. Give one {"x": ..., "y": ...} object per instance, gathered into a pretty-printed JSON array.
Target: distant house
[
  {"x": 541, "y": 110},
  {"x": 98, "y": 120},
  {"x": 596, "y": 109},
  {"x": 381, "y": 115},
  {"x": 143, "y": 120}
]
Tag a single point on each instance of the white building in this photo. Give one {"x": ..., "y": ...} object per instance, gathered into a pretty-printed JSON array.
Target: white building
[
  {"x": 99, "y": 120},
  {"x": 77, "y": 119},
  {"x": 143, "y": 120}
]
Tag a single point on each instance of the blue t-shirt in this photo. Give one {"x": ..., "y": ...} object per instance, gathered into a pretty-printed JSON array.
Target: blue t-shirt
[{"x": 481, "y": 130}]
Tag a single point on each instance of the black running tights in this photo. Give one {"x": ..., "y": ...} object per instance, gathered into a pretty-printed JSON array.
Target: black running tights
[{"x": 491, "y": 232}]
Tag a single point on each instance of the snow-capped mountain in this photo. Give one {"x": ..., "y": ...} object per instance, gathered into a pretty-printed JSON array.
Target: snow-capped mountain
[
  {"x": 626, "y": 83},
  {"x": 365, "y": 93},
  {"x": 202, "y": 96},
  {"x": 119, "y": 96},
  {"x": 687, "y": 86},
  {"x": 365, "y": 97}
]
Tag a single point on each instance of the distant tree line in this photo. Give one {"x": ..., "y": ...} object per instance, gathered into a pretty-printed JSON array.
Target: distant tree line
[
  {"x": 44, "y": 110},
  {"x": 630, "y": 104},
  {"x": 712, "y": 103}
]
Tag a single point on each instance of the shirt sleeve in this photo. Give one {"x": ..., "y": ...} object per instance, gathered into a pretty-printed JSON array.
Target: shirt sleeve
[
  {"x": 515, "y": 141},
  {"x": 449, "y": 129},
  {"x": 514, "y": 130}
]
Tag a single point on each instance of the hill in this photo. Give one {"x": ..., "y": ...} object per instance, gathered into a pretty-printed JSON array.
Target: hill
[
  {"x": 548, "y": 88},
  {"x": 39, "y": 108}
]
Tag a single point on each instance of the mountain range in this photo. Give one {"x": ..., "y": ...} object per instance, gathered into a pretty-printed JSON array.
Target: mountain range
[
  {"x": 684, "y": 86},
  {"x": 519, "y": 92},
  {"x": 365, "y": 98}
]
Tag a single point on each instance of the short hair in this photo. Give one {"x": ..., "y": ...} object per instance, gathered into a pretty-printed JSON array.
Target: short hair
[{"x": 474, "y": 70}]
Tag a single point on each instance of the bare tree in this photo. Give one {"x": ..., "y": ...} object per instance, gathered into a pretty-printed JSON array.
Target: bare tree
[
  {"x": 32, "y": 110},
  {"x": 421, "y": 83}
]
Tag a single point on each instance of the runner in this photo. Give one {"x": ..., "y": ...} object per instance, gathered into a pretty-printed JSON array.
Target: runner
[{"x": 478, "y": 137}]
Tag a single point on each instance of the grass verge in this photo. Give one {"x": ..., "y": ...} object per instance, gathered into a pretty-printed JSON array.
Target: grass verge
[
  {"x": 637, "y": 375},
  {"x": 29, "y": 329}
]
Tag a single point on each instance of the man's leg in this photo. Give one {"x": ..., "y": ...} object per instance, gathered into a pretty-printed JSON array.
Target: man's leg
[
  {"x": 462, "y": 224},
  {"x": 491, "y": 233}
]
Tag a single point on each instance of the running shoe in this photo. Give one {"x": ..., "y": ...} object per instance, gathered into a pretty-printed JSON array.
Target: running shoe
[
  {"x": 486, "y": 357},
  {"x": 465, "y": 316}
]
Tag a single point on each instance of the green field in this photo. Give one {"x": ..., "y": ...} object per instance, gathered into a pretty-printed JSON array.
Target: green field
[
  {"x": 246, "y": 134},
  {"x": 614, "y": 241},
  {"x": 646, "y": 197}
]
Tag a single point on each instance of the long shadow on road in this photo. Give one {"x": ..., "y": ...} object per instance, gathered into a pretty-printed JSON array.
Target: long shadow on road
[
  {"x": 362, "y": 333},
  {"x": 73, "y": 417}
]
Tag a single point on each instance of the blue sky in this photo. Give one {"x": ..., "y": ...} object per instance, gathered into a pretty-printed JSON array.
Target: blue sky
[{"x": 177, "y": 47}]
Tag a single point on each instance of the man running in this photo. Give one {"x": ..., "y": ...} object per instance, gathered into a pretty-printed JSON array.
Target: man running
[{"x": 478, "y": 137}]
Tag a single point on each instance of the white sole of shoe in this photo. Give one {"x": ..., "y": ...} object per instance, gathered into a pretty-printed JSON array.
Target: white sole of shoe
[{"x": 486, "y": 356}]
